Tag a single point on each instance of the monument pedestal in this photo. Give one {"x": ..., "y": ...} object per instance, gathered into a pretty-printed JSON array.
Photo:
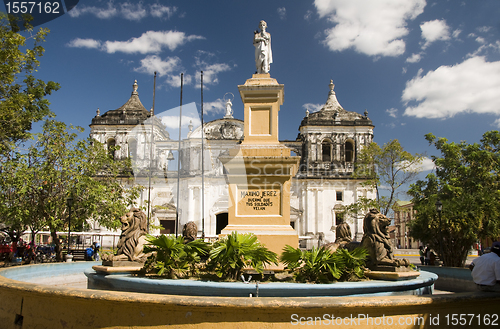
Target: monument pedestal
[{"x": 260, "y": 170}]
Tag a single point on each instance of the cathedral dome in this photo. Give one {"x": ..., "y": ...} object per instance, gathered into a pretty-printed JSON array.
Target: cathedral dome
[
  {"x": 132, "y": 112},
  {"x": 221, "y": 129},
  {"x": 333, "y": 114}
]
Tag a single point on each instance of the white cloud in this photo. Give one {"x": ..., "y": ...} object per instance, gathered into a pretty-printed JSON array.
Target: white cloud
[
  {"x": 127, "y": 10},
  {"x": 159, "y": 11},
  {"x": 414, "y": 58},
  {"x": 427, "y": 164},
  {"x": 175, "y": 80},
  {"x": 312, "y": 107},
  {"x": 497, "y": 123},
  {"x": 282, "y": 12},
  {"x": 480, "y": 40},
  {"x": 210, "y": 71},
  {"x": 170, "y": 118},
  {"x": 172, "y": 121},
  {"x": 392, "y": 112},
  {"x": 484, "y": 28},
  {"x": 150, "y": 42},
  {"x": 133, "y": 12},
  {"x": 153, "y": 63},
  {"x": 471, "y": 86},
  {"x": 374, "y": 28},
  {"x": 103, "y": 13},
  {"x": 484, "y": 48},
  {"x": 456, "y": 33},
  {"x": 217, "y": 106},
  {"x": 84, "y": 43},
  {"x": 433, "y": 31}
]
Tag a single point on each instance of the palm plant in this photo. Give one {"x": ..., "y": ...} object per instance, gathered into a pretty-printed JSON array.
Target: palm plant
[
  {"x": 322, "y": 265},
  {"x": 231, "y": 254},
  {"x": 354, "y": 263},
  {"x": 316, "y": 265},
  {"x": 170, "y": 256}
]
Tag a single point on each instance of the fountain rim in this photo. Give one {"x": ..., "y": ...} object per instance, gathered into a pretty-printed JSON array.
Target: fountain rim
[
  {"x": 305, "y": 301},
  {"x": 75, "y": 305},
  {"x": 185, "y": 287}
]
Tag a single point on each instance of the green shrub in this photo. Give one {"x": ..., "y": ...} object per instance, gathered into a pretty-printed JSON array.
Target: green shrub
[
  {"x": 232, "y": 253},
  {"x": 171, "y": 257},
  {"x": 320, "y": 265},
  {"x": 354, "y": 263},
  {"x": 316, "y": 265}
]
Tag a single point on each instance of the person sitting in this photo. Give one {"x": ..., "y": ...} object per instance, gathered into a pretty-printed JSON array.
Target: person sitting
[{"x": 486, "y": 270}]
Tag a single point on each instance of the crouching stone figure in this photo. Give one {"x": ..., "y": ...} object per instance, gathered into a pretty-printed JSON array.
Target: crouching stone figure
[{"x": 377, "y": 242}]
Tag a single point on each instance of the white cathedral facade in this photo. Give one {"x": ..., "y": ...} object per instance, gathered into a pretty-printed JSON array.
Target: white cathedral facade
[{"x": 328, "y": 143}]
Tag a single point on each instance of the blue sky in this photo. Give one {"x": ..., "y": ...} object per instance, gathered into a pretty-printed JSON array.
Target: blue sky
[{"x": 417, "y": 66}]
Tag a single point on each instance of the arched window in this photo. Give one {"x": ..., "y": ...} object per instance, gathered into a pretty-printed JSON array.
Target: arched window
[
  {"x": 111, "y": 147},
  {"x": 132, "y": 148},
  {"x": 349, "y": 151},
  {"x": 326, "y": 151}
]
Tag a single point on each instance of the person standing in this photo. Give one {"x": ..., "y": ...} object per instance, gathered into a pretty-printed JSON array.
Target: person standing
[
  {"x": 486, "y": 270},
  {"x": 427, "y": 256},
  {"x": 422, "y": 254},
  {"x": 96, "y": 247}
]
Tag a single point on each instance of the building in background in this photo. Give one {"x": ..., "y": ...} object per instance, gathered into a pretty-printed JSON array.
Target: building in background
[
  {"x": 328, "y": 143},
  {"x": 403, "y": 214}
]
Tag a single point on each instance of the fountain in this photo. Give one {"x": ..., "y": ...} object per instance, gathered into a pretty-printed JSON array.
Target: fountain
[{"x": 27, "y": 303}]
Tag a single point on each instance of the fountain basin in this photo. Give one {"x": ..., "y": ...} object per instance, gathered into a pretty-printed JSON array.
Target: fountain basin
[
  {"x": 34, "y": 305},
  {"x": 422, "y": 285}
]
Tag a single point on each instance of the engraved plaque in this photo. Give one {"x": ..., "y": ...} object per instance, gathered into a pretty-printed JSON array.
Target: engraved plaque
[{"x": 258, "y": 202}]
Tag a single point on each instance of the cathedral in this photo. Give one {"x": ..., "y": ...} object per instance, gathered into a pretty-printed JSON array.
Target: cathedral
[{"x": 184, "y": 178}]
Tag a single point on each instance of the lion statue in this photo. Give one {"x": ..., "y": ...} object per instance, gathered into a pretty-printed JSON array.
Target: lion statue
[
  {"x": 377, "y": 242},
  {"x": 189, "y": 231},
  {"x": 133, "y": 237}
]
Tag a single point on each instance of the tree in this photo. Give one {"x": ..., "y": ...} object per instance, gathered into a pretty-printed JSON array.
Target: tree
[
  {"x": 361, "y": 206},
  {"x": 389, "y": 167},
  {"x": 16, "y": 195},
  {"x": 467, "y": 184},
  {"x": 61, "y": 166},
  {"x": 22, "y": 96}
]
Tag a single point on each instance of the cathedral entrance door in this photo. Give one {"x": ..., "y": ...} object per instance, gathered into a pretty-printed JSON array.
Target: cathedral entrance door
[{"x": 221, "y": 222}]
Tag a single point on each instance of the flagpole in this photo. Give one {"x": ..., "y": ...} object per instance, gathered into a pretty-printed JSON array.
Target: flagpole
[
  {"x": 151, "y": 151},
  {"x": 202, "y": 166},
  {"x": 179, "y": 163}
]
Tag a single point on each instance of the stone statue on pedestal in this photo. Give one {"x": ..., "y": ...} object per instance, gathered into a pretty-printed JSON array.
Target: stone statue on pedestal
[
  {"x": 343, "y": 233},
  {"x": 189, "y": 231},
  {"x": 263, "y": 52},
  {"x": 377, "y": 242},
  {"x": 132, "y": 240}
]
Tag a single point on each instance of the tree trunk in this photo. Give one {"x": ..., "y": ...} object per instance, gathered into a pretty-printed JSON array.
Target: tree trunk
[
  {"x": 33, "y": 236},
  {"x": 58, "y": 247}
]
